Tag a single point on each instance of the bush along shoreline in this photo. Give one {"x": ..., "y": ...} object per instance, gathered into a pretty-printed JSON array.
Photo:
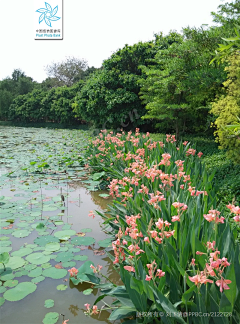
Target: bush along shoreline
[{"x": 177, "y": 252}]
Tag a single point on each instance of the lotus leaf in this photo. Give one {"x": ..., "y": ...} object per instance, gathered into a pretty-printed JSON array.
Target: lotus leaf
[
  {"x": 62, "y": 287},
  {"x": 35, "y": 272},
  {"x": 87, "y": 291},
  {"x": 37, "y": 258},
  {"x": 15, "y": 262},
  {"x": 10, "y": 283},
  {"x": 64, "y": 257},
  {"x": 22, "y": 252},
  {"x": 54, "y": 273},
  {"x": 21, "y": 233},
  {"x": 83, "y": 240},
  {"x": 49, "y": 303},
  {"x": 37, "y": 279},
  {"x": 66, "y": 233},
  {"x": 42, "y": 241},
  {"x": 20, "y": 291},
  {"x": 105, "y": 243},
  {"x": 51, "y": 318}
]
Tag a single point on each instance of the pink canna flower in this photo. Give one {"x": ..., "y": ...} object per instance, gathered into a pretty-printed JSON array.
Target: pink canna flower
[
  {"x": 91, "y": 214},
  {"x": 146, "y": 239},
  {"x": 200, "y": 253},
  {"x": 223, "y": 284},
  {"x": 160, "y": 273},
  {"x": 124, "y": 242},
  {"x": 159, "y": 223},
  {"x": 175, "y": 219},
  {"x": 200, "y": 154},
  {"x": 210, "y": 245},
  {"x": 237, "y": 219},
  {"x": 65, "y": 322},
  {"x": 148, "y": 278},
  {"x": 129, "y": 268},
  {"x": 73, "y": 272},
  {"x": 193, "y": 262},
  {"x": 95, "y": 310},
  {"x": 139, "y": 251},
  {"x": 224, "y": 262},
  {"x": 87, "y": 306}
]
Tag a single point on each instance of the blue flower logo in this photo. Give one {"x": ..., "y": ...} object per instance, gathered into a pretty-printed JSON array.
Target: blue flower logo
[{"x": 48, "y": 14}]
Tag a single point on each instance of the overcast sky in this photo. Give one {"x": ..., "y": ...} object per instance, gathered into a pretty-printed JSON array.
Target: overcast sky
[{"x": 93, "y": 29}]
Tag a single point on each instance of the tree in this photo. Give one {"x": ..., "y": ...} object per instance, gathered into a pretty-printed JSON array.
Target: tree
[
  {"x": 179, "y": 88},
  {"x": 10, "y": 88},
  {"x": 109, "y": 98},
  {"x": 67, "y": 72},
  {"x": 228, "y": 15}
]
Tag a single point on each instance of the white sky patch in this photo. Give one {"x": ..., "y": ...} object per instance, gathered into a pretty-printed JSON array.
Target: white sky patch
[{"x": 92, "y": 29}]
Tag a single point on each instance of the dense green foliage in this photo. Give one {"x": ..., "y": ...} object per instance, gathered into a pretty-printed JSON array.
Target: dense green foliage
[
  {"x": 10, "y": 88},
  {"x": 53, "y": 105},
  {"x": 227, "y": 109},
  {"x": 110, "y": 97},
  {"x": 180, "y": 87}
]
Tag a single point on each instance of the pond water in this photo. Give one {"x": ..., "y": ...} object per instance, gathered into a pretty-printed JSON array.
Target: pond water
[{"x": 43, "y": 201}]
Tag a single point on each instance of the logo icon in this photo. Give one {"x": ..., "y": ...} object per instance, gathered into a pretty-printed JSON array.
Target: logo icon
[{"x": 48, "y": 14}]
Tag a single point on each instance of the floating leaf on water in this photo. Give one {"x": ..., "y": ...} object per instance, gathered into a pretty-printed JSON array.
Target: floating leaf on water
[
  {"x": 21, "y": 273},
  {"x": 105, "y": 243},
  {"x": 30, "y": 267},
  {"x": 49, "y": 303},
  {"x": 69, "y": 264},
  {"x": 42, "y": 241},
  {"x": 38, "y": 279},
  {"x": 2, "y": 301},
  {"x": 51, "y": 318},
  {"x": 64, "y": 257},
  {"x": 52, "y": 247},
  {"x": 37, "y": 258},
  {"x": 83, "y": 240},
  {"x": 14, "y": 262},
  {"x": 22, "y": 252},
  {"x": 2, "y": 289},
  {"x": 5, "y": 249},
  {"x": 87, "y": 291},
  {"x": 58, "y": 222},
  {"x": 62, "y": 287},
  {"x": 54, "y": 273},
  {"x": 50, "y": 208},
  {"x": 10, "y": 283},
  {"x": 86, "y": 230},
  {"x": 21, "y": 233},
  {"x": 35, "y": 272},
  {"x": 4, "y": 238},
  {"x": 20, "y": 291},
  {"x": 80, "y": 257},
  {"x": 66, "y": 233},
  {"x": 46, "y": 265}
]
